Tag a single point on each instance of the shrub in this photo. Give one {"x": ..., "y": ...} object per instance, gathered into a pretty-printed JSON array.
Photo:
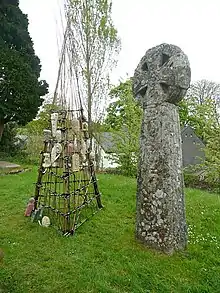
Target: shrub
[
  {"x": 34, "y": 146},
  {"x": 200, "y": 179},
  {"x": 7, "y": 143}
]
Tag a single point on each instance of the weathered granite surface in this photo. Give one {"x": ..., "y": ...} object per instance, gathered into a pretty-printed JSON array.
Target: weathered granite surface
[{"x": 160, "y": 81}]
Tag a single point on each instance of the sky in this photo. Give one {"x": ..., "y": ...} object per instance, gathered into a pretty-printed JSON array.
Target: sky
[{"x": 193, "y": 25}]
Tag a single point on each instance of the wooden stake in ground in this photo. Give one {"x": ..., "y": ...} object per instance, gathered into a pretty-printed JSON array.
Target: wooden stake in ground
[{"x": 160, "y": 82}]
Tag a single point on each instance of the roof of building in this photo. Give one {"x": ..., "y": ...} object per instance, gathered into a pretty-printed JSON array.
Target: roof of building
[
  {"x": 106, "y": 139},
  {"x": 184, "y": 129}
]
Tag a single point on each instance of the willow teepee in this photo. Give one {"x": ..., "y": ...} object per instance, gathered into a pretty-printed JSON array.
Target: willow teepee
[{"x": 66, "y": 190}]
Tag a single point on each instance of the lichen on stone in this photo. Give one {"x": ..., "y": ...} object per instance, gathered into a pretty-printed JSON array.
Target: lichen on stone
[{"x": 159, "y": 83}]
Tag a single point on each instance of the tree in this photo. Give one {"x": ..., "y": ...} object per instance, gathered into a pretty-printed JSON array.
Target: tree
[
  {"x": 200, "y": 108},
  {"x": 20, "y": 89},
  {"x": 42, "y": 121},
  {"x": 123, "y": 119},
  {"x": 212, "y": 158},
  {"x": 203, "y": 89},
  {"x": 8, "y": 142},
  {"x": 94, "y": 46}
]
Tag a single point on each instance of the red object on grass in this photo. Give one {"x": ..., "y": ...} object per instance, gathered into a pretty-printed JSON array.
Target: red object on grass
[{"x": 29, "y": 208}]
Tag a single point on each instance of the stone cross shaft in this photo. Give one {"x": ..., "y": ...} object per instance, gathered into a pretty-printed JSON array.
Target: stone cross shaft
[{"x": 159, "y": 83}]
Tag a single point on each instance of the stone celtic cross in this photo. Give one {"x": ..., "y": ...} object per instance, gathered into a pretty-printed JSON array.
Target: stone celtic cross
[{"x": 159, "y": 83}]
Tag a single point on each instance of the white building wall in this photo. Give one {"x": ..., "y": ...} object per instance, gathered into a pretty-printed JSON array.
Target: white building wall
[{"x": 106, "y": 161}]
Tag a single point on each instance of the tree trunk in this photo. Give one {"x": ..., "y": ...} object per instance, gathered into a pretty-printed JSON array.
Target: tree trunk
[
  {"x": 88, "y": 77},
  {"x": 1, "y": 128},
  {"x": 97, "y": 157},
  {"x": 89, "y": 111}
]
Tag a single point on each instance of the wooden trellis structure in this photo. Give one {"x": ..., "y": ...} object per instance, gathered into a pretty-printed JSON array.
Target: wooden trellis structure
[{"x": 66, "y": 189}]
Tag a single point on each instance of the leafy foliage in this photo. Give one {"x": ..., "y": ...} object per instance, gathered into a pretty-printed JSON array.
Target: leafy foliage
[
  {"x": 7, "y": 143},
  {"x": 42, "y": 121},
  {"x": 95, "y": 45},
  {"x": 200, "y": 110},
  {"x": 20, "y": 89},
  {"x": 123, "y": 119},
  {"x": 212, "y": 161},
  {"x": 34, "y": 131},
  {"x": 201, "y": 117}
]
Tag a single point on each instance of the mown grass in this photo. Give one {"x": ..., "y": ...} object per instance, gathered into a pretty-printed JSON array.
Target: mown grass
[{"x": 104, "y": 256}]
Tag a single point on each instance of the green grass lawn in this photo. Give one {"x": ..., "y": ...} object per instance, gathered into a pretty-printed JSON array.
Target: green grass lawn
[{"x": 104, "y": 256}]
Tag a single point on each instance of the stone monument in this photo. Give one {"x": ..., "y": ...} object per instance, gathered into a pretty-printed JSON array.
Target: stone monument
[{"x": 159, "y": 83}]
